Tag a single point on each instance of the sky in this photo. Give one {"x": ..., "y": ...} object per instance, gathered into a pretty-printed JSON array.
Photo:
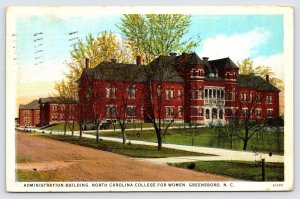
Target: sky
[{"x": 40, "y": 57}]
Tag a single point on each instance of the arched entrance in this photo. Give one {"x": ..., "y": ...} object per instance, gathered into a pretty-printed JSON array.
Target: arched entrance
[
  {"x": 214, "y": 113},
  {"x": 221, "y": 114},
  {"x": 207, "y": 114}
]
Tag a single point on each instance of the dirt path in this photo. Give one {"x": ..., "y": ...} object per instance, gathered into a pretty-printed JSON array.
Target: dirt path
[{"x": 76, "y": 163}]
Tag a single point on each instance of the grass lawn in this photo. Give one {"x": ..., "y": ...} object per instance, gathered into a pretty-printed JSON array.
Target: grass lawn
[
  {"x": 207, "y": 137},
  {"x": 36, "y": 176},
  {"x": 60, "y": 127},
  {"x": 132, "y": 150},
  {"x": 249, "y": 171},
  {"x": 138, "y": 126}
]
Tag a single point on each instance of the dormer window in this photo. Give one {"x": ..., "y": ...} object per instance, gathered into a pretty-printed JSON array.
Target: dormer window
[
  {"x": 193, "y": 72},
  {"x": 200, "y": 72},
  {"x": 227, "y": 75}
]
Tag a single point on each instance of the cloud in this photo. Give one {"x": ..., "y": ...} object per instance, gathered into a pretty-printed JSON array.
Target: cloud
[
  {"x": 236, "y": 46},
  {"x": 275, "y": 61},
  {"x": 47, "y": 71}
]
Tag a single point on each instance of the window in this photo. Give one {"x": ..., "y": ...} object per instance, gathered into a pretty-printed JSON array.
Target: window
[
  {"x": 107, "y": 91},
  {"x": 107, "y": 111},
  {"x": 172, "y": 111},
  {"x": 26, "y": 113},
  {"x": 193, "y": 72},
  {"x": 133, "y": 92},
  {"x": 142, "y": 111},
  {"x": 250, "y": 97},
  {"x": 200, "y": 73},
  {"x": 269, "y": 112},
  {"x": 214, "y": 93},
  {"x": 234, "y": 75},
  {"x": 179, "y": 111},
  {"x": 227, "y": 75},
  {"x": 54, "y": 108},
  {"x": 243, "y": 96},
  {"x": 171, "y": 94},
  {"x": 167, "y": 94},
  {"x": 233, "y": 96},
  {"x": 167, "y": 111},
  {"x": 258, "y": 98},
  {"x": 131, "y": 111},
  {"x": 113, "y": 92},
  {"x": 199, "y": 111},
  {"x": 194, "y": 111},
  {"x": 269, "y": 99},
  {"x": 193, "y": 93},
  {"x": 258, "y": 112},
  {"x": 179, "y": 94},
  {"x": 205, "y": 93},
  {"x": 244, "y": 112},
  {"x": 62, "y": 116},
  {"x": 200, "y": 93},
  {"x": 113, "y": 111},
  {"x": 128, "y": 92}
]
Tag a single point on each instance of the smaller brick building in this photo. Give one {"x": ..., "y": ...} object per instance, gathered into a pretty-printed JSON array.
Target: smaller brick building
[
  {"x": 56, "y": 110},
  {"x": 29, "y": 114}
]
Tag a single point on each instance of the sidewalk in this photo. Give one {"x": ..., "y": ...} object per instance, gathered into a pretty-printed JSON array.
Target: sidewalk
[
  {"x": 143, "y": 129},
  {"x": 217, "y": 153}
]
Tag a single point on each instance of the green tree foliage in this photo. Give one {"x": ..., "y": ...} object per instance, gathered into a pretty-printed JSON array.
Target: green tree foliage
[
  {"x": 152, "y": 35},
  {"x": 156, "y": 36},
  {"x": 98, "y": 49},
  {"x": 246, "y": 67}
]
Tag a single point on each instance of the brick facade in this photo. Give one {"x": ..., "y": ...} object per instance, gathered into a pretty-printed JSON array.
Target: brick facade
[
  {"x": 29, "y": 114},
  {"x": 202, "y": 91}
]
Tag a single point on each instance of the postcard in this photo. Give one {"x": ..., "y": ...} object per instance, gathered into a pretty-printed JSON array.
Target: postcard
[{"x": 149, "y": 98}]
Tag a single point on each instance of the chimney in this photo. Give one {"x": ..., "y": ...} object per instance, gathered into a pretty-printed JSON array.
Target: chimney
[
  {"x": 184, "y": 56},
  {"x": 86, "y": 62},
  {"x": 138, "y": 60},
  {"x": 267, "y": 78},
  {"x": 205, "y": 59}
]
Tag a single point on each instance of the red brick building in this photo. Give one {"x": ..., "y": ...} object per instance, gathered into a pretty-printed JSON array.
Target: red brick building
[
  {"x": 29, "y": 114},
  {"x": 56, "y": 110},
  {"x": 186, "y": 89}
]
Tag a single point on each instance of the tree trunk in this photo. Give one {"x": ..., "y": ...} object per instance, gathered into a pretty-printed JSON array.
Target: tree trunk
[
  {"x": 65, "y": 129},
  {"x": 97, "y": 133},
  {"x": 159, "y": 140},
  {"x": 80, "y": 130},
  {"x": 246, "y": 138},
  {"x": 123, "y": 136}
]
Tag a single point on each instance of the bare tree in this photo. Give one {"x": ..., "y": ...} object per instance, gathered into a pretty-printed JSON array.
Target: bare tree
[
  {"x": 159, "y": 73},
  {"x": 127, "y": 95},
  {"x": 247, "y": 117}
]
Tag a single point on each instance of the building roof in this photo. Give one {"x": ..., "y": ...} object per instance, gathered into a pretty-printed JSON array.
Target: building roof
[
  {"x": 167, "y": 70},
  {"x": 257, "y": 82},
  {"x": 56, "y": 100},
  {"x": 116, "y": 71},
  {"x": 32, "y": 105},
  {"x": 112, "y": 71},
  {"x": 223, "y": 63}
]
